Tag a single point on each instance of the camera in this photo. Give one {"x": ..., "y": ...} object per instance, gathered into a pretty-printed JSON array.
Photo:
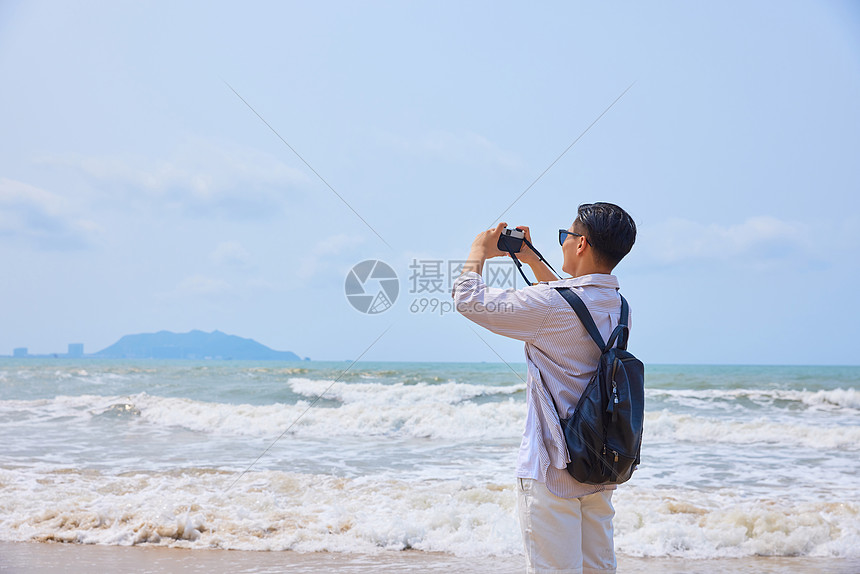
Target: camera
[{"x": 511, "y": 240}]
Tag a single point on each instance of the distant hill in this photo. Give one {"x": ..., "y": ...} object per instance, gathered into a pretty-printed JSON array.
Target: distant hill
[{"x": 193, "y": 345}]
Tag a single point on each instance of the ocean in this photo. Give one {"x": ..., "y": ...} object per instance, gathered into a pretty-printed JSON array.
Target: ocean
[{"x": 737, "y": 460}]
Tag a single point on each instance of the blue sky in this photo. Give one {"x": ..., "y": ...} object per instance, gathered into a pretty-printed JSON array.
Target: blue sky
[{"x": 138, "y": 193}]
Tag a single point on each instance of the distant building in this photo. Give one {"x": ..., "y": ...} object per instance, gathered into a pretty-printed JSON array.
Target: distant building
[
  {"x": 76, "y": 350},
  {"x": 20, "y": 352}
]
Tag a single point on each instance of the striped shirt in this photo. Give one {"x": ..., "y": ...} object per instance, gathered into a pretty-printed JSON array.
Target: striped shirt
[{"x": 560, "y": 355}]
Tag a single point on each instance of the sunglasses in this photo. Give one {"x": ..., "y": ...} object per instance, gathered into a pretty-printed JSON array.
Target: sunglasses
[{"x": 563, "y": 233}]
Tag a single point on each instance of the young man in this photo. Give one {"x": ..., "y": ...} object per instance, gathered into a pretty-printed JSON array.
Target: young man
[{"x": 566, "y": 525}]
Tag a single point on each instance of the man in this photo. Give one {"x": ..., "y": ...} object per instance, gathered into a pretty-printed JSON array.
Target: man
[{"x": 566, "y": 525}]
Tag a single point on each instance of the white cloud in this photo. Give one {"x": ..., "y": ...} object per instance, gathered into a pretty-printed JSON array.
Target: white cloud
[
  {"x": 463, "y": 147},
  {"x": 199, "y": 178},
  {"x": 41, "y": 218},
  {"x": 200, "y": 285},
  {"x": 758, "y": 239},
  {"x": 197, "y": 287},
  {"x": 320, "y": 256},
  {"x": 231, "y": 253}
]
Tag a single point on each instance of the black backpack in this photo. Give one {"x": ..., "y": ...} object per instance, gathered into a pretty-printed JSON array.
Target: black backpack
[{"x": 604, "y": 434}]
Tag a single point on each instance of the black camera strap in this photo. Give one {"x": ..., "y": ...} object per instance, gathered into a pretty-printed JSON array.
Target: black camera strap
[{"x": 520, "y": 265}]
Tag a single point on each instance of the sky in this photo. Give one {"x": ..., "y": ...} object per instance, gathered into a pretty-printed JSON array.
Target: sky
[{"x": 223, "y": 166}]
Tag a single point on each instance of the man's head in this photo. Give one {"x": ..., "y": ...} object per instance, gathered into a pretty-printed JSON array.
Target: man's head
[{"x": 605, "y": 233}]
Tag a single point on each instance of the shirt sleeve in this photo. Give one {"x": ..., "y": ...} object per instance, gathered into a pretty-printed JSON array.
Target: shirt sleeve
[{"x": 515, "y": 313}]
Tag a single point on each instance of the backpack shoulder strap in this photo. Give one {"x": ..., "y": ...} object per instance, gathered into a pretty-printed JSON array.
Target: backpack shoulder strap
[
  {"x": 583, "y": 314},
  {"x": 625, "y": 311},
  {"x": 623, "y": 325}
]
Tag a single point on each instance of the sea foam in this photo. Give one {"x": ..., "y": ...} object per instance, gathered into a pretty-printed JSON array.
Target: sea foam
[
  {"x": 724, "y": 523},
  {"x": 417, "y": 418},
  {"x": 398, "y": 393},
  {"x": 682, "y": 427},
  {"x": 832, "y": 399},
  {"x": 273, "y": 510},
  {"x": 417, "y": 411}
]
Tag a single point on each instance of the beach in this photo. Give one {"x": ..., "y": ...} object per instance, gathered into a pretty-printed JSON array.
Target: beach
[
  {"x": 183, "y": 466},
  {"x": 35, "y": 558}
]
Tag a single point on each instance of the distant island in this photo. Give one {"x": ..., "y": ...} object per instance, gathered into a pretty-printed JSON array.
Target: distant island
[
  {"x": 192, "y": 345},
  {"x": 195, "y": 344}
]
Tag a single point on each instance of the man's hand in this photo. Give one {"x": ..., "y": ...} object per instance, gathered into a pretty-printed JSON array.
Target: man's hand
[{"x": 485, "y": 245}]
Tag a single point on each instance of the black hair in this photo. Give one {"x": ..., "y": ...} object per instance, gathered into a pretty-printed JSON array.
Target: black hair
[{"x": 609, "y": 229}]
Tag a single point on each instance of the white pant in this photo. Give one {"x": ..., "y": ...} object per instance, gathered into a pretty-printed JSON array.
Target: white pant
[{"x": 565, "y": 535}]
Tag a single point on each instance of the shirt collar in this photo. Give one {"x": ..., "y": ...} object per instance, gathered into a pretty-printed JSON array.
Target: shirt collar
[{"x": 593, "y": 279}]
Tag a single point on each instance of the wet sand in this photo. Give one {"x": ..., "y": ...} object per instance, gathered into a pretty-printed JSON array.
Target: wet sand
[{"x": 54, "y": 558}]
